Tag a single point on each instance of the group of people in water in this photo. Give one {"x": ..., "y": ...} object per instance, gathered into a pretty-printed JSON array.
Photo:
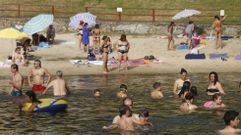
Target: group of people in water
[
  {"x": 190, "y": 30},
  {"x": 126, "y": 120}
]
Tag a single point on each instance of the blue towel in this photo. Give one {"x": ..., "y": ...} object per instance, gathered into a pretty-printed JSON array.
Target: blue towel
[
  {"x": 182, "y": 47},
  {"x": 195, "y": 56},
  {"x": 43, "y": 45},
  {"x": 218, "y": 55}
]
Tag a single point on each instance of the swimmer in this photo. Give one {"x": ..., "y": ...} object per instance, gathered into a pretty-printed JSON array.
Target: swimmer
[
  {"x": 16, "y": 82},
  {"x": 29, "y": 97},
  {"x": 142, "y": 117},
  {"x": 231, "y": 121},
  {"x": 184, "y": 90},
  {"x": 36, "y": 77},
  {"x": 97, "y": 93},
  {"x": 122, "y": 93},
  {"x": 193, "y": 91},
  {"x": 214, "y": 86},
  {"x": 188, "y": 106},
  {"x": 179, "y": 82},
  {"x": 157, "y": 92},
  {"x": 126, "y": 122},
  {"x": 59, "y": 85},
  {"x": 128, "y": 102},
  {"x": 215, "y": 103}
]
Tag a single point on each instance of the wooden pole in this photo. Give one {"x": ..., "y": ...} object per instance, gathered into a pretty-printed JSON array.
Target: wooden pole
[
  {"x": 86, "y": 9},
  {"x": 53, "y": 9},
  {"x": 119, "y": 14},
  {"x": 153, "y": 15},
  {"x": 19, "y": 10}
]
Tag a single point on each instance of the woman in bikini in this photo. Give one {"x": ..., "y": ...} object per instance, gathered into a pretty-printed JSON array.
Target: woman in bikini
[
  {"x": 179, "y": 82},
  {"x": 105, "y": 48},
  {"x": 214, "y": 86},
  {"x": 170, "y": 36},
  {"x": 96, "y": 33},
  {"x": 123, "y": 49},
  {"x": 217, "y": 25},
  {"x": 80, "y": 32}
]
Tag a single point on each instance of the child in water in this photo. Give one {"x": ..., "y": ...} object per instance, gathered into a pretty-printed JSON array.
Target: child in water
[
  {"x": 157, "y": 92},
  {"x": 122, "y": 93},
  {"x": 188, "y": 106},
  {"x": 215, "y": 103},
  {"x": 97, "y": 93}
]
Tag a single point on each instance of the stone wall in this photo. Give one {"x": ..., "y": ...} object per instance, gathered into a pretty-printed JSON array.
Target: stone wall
[{"x": 61, "y": 25}]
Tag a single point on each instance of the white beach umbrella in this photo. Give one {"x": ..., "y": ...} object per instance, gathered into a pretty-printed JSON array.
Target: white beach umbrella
[
  {"x": 186, "y": 13},
  {"x": 86, "y": 17}
]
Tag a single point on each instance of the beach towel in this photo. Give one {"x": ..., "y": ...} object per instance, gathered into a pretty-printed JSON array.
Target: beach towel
[
  {"x": 68, "y": 43},
  {"x": 4, "y": 65},
  {"x": 182, "y": 47},
  {"x": 238, "y": 57},
  {"x": 79, "y": 62},
  {"x": 43, "y": 45},
  {"x": 195, "y": 56},
  {"x": 226, "y": 37},
  {"x": 218, "y": 55}
]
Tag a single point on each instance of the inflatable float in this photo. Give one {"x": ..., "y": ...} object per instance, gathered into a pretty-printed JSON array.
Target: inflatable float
[{"x": 48, "y": 105}]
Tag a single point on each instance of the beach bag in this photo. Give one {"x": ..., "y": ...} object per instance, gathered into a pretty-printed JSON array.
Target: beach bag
[{"x": 91, "y": 56}]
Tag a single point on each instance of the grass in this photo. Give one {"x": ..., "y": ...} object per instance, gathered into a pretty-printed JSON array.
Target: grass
[{"x": 208, "y": 8}]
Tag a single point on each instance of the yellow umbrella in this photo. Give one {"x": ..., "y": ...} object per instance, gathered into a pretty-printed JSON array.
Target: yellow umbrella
[{"x": 12, "y": 33}]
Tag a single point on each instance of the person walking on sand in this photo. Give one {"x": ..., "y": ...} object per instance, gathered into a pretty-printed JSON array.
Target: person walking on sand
[
  {"x": 105, "y": 48},
  {"x": 96, "y": 33},
  {"x": 189, "y": 31},
  {"x": 16, "y": 82},
  {"x": 59, "y": 85},
  {"x": 170, "y": 36},
  {"x": 85, "y": 37},
  {"x": 123, "y": 49},
  {"x": 217, "y": 25},
  {"x": 36, "y": 77}
]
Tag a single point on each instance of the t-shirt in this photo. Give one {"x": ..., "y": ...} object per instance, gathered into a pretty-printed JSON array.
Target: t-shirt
[{"x": 189, "y": 28}]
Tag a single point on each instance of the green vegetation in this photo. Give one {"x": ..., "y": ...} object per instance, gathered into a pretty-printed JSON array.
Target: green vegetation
[{"x": 133, "y": 10}]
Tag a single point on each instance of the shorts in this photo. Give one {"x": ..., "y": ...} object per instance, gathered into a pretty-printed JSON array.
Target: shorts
[
  {"x": 16, "y": 93},
  {"x": 189, "y": 34},
  {"x": 38, "y": 87}
]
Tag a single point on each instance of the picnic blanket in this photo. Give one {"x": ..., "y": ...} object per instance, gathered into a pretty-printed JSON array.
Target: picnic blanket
[
  {"x": 218, "y": 55},
  {"x": 182, "y": 47}
]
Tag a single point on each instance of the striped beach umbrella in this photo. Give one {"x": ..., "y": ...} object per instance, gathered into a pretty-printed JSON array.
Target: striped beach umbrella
[
  {"x": 38, "y": 23},
  {"x": 86, "y": 17}
]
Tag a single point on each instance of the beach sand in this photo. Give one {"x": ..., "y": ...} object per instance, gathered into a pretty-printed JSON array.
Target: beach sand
[{"x": 57, "y": 57}]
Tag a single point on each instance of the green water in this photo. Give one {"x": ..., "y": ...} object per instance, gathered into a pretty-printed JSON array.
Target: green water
[{"x": 86, "y": 115}]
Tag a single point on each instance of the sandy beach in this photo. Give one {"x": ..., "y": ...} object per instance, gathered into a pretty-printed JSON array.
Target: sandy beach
[{"x": 57, "y": 57}]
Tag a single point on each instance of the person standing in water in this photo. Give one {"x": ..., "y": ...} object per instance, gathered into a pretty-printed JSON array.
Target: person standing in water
[
  {"x": 36, "y": 77},
  {"x": 170, "y": 29},
  {"x": 157, "y": 92},
  {"x": 217, "y": 25},
  {"x": 214, "y": 86},
  {"x": 105, "y": 48},
  {"x": 123, "y": 49},
  {"x": 16, "y": 82},
  {"x": 188, "y": 106},
  {"x": 231, "y": 121},
  {"x": 179, "y": 82},
  {"x": 59, "y": 85},
  {"x": 96, "y": 33}
]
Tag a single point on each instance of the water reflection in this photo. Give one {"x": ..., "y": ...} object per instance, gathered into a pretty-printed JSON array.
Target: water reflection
[{"x": 87, "y": 115}]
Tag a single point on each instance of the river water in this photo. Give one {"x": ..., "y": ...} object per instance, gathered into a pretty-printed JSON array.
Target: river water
[{"x": 86, "y": 115}]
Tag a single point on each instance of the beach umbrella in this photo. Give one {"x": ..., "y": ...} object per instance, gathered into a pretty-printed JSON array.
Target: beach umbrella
[
  {"x": 186, "y": 13},
  {"x": 86, "y": 17},
  {"x": 12, "y": 33},
  {"x": 38, "y": 23}
]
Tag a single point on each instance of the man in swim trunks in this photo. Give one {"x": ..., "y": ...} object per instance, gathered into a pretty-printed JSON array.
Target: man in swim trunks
[
  {"x": 36, "y": 77},
  {"x": 231, "y": 121},
  {"x": 16, "y": 82},
  {"x": 157, "y": 92},
  {"x": 59, "y": 85}
]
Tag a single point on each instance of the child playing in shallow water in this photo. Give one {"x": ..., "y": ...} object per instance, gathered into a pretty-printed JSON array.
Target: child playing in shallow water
[
  {"x": 215, "y": 103},
  {"x": 157, "y": 92},
  {"x": 188, "y": 106},
  {"x": 97, "y": 93},
  {"x": 122, "y": 93}
]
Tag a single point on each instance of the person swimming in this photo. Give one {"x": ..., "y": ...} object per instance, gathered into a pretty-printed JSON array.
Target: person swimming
[
  {"x": 97, "y": 93},
  {"x": 143, "y": 117},
  {"x": 126, "y": 121},
  {"x": 215, "y": 103},
  {"x": 157, "y": 92},
  {"x": 122, "y": 93},
  {"x": 214, "y": 86},
  {"x": 231, "y": 121},
  {"x": 179, "y": 82},
  {"x": 184, "y": 90},
  {"x": 188, "y": 106}
]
